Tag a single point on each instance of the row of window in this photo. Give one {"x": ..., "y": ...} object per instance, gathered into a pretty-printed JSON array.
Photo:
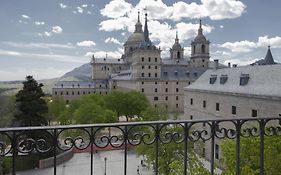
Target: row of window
[
  {"x": 149, "y": 75},
  {"x": 166, "y": 106},
  {"x": 149, "y": 67},
  {"x": 166, "y": 98},
  {"x": 78, "y": 85},
  {"x": 166, "y": 82},
  {"x": 254, "y": 112},
  {"x": 78, "y": 93},
  {"x": 156, "y": 90},
  {"x": 149, "y": 59}
]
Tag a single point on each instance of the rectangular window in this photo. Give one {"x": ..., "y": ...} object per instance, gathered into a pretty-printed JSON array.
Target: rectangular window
[
  {"x": 142, "y": 67},
  {"x": 61, "y": 93},
  {"x": 156, "y": 82},
  {"x": 177, "y": 89},
  {"x": 166, "y": 82},
  {"x": 142, "y": 89},
  {"x": 155, "y": 59},
  {"x": 155, "y": 90},
  {"x": 156, "y": 75},
  {"x": 155, "y": 67},
  {"x": 217, "y": 151},
  {"x": 142, "y": 82},
  {"x": 56, "y": 93},
  {"x": 177, "y": 98},
  {"x": 204, "y": 103},
  {"x": 177, "y": 105},
  {"x": 155, "y": 98},
  {"x": 166, "y": 98},
  {"x": 142, "y": 74},
  {"x": 254, "y": 113},
  {"x": 217, "y": 107},
  {"x": 142, "y": 59},
  {"x": 149, "y": 59},
  {"x": 177, "y": 82},
  {"x": 233, "y": 110},
  {"x": 149, "y": 74},
  {"x": 191, "y": 101},
  {"x": 166, "y": 90},
  {"x": 191, "y": 117}
]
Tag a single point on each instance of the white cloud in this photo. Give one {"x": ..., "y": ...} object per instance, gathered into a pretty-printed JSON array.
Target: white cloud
[
  {"x": 102, "y": 54},
  {"x": 221, "y": 26},
  {"x": 39, "y": 45},
  {"x": 84, "y": 6},
  {"x": 39, "y": 23},
  {"x": 63, "y": 6},
  {"x": 89, "y": 12},
  {"x": 80, "y": 9},
  {"x": 57, "y": 29},
  {"x": 112, "y": 40},
  {"x": 247, "y": 46},
  {"x": 86, "y": 43},
  {"x": 240, "y": 62},
  {"x": 48, "y": 34},
  {"x": 116, "y": 9},
  {"x": 239, "y": 46},
  {"x": 25, "y": 16},
  {"x": 9, "y": 53}
]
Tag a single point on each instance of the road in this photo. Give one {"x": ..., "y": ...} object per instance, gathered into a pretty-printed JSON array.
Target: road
[{"x": 80, "y": 165}]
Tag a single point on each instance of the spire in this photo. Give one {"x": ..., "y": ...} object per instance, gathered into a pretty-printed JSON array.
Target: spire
[
  {"x": 146, "y": 32},
  {"x": 200, "y": 30},
  {"x": 138, "y": 26},
  {"x": 269, "y": 58},
  {"x": 177, "y": 39}
]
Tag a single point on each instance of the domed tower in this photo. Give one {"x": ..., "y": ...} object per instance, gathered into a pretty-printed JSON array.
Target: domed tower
[
  {"x": 200, "y": 50},
  {"x": 176, "y": 52},
  {"x": 135, "y": 39}
]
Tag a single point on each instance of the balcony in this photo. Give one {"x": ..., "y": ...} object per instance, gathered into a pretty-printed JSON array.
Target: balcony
[{"x": 59, "y": 140}]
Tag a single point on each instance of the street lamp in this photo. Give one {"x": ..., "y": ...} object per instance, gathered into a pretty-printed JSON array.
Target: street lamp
[{"x": 105, "y": 159}]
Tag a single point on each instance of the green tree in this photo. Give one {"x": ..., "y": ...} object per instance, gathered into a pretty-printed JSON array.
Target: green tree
[
  {"x": 128, "y": 104},
  {"x": 55, "y": 107},
  {"x": 250, "y": 155},
  {"x": 30, "y": 104},
  {"x": 170, "y": 155},
  {"x": 7, "y": 110}
]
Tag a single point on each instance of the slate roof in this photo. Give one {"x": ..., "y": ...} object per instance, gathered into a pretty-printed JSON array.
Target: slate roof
[
  {"x": 267, "y": 60},
  {"x": 263, "y": 81},
  {"x": 108, "y": 61}
]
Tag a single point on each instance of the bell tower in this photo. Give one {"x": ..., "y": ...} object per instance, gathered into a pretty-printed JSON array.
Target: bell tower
[
  {"x": 200, "y": 55},
  {"x": 176, "y": 52}
]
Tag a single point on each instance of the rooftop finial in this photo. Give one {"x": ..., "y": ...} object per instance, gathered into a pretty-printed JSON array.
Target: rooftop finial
[
  {"x": 177, "y": 39},
  {"x": 268, "y": 46},
  {"x": 138, "y": 16},
  {"x": 200, "y": 23}
]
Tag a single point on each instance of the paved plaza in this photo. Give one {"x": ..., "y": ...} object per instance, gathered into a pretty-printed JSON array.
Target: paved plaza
[{"x": 80, "y": 165}]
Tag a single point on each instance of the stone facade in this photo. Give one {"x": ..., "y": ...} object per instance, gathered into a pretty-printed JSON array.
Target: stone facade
[
  {"x": 244, "y": 92},
  {"x": 141, "y": 68}
]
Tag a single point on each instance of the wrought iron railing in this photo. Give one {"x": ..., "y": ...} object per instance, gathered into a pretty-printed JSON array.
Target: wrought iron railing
[{"x": 51, "y": 139}]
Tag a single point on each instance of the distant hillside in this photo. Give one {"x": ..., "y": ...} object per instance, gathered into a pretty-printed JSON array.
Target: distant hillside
[{"x": 82, "y": 73}]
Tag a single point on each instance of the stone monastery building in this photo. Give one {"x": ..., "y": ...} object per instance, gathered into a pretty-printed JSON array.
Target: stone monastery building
[{"x": 141, "y": 68}]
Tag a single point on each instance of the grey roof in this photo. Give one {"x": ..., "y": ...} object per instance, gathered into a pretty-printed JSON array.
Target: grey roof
[
  {"x": 108, "y": 61},
  {"x": 267, "y": 60},
  {"x": 180, "y": 72},
  {"x": 170, "y": 61},
  {"x": 263, "y": 81}
]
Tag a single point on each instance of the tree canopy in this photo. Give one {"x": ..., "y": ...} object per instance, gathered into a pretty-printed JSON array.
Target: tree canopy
[
  {"x": 31, "y": 107},
  {"x": 250, "y": 155}
]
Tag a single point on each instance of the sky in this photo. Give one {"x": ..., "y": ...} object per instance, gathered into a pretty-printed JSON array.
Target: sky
[{"x": 49, "y": 38}]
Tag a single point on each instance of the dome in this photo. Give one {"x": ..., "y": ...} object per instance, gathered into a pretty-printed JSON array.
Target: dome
[
  {"x": 135, "y": 38},
  {"x": 176, "y": 46},
  {"x": 200, "y": 38}
]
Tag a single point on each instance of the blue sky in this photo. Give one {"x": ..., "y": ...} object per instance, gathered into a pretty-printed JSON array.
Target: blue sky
[{"x": 48, "y": 38}]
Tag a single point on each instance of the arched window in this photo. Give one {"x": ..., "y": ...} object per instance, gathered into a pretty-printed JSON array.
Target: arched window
[
  {"x": 194, "y": 49},
  {"x": 203, "y": 48},
  {"x": 178, "y": 55}
]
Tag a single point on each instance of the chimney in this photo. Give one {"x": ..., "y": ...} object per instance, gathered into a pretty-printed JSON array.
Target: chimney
[
  {"x": 216, "y": 64},
  {"x": 234, "y": 65},
  {"x": 229, "y": 65}
]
